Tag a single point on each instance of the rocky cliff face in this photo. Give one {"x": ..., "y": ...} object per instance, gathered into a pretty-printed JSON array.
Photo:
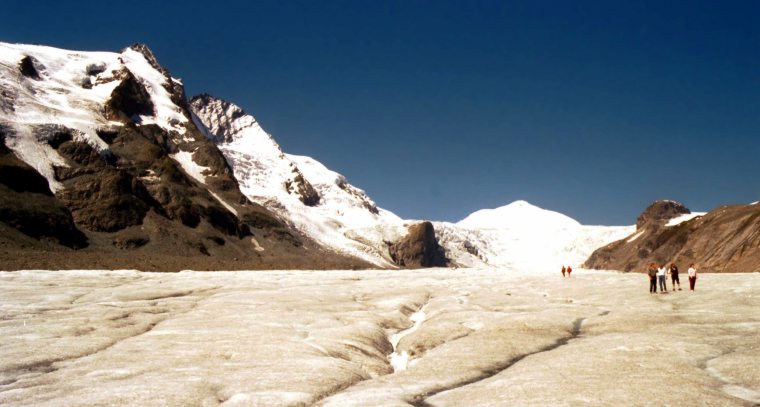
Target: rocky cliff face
[
  {"x": 419, "y": 248},
  {"x": 726, "y": 239},
  {"x": 27, "y": 206},
  {"x": 100, "y": 154}
]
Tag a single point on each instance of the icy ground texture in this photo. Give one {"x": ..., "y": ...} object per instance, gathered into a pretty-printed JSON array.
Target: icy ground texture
[{"x": 302, "y": 338}]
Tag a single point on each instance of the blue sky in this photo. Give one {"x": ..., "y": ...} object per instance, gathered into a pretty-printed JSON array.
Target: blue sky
[{"x": 437, "y": 109}]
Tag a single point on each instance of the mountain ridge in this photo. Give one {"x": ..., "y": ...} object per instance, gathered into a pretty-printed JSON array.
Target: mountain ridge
[
  {"x": 725, "y": 239},
  {"x": 128, "y": 165},
  {"x": 139, "y": 177}
]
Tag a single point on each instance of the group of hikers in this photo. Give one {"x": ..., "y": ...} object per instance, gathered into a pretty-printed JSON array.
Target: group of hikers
[{"x": 659, "y": 274}]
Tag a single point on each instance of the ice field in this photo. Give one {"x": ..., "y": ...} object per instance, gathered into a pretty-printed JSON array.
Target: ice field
[{"x": 438, "y": 337}]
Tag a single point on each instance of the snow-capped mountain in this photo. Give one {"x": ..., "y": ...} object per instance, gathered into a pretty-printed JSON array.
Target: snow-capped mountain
[
  {"x": 127, "y": 166},
  {"x": 323, "y": 205},
  {"x": 70, "y": 89},
  {"x": 316, "y": 200},
  {"x": 98, "y": 153},
  {"x": 524, "y": 235},
  {"x": 520, "y": 216}
]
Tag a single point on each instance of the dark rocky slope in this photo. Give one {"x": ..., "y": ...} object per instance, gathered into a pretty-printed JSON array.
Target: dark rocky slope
[
  {"x": 28, "y": 206},
  {"x": 726, "y": 239}
]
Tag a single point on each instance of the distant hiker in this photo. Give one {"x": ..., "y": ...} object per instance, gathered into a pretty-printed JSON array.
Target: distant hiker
[
  {"x": 652, "y": 272},
  {"x": 674, "y": 276},
  {"x": 692, "y": 276},
  {"x": 661, "y": 275},
  {"x": 569, "y": 270},
  {"x": 563, "y": 271}
]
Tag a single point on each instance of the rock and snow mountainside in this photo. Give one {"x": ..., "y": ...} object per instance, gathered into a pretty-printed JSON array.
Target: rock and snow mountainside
[
  {"x": 726, "y": 239},
  {"x": 523, "y": 235},
  {"x": 323, "y": 205},
  {"x": 98, "y": 152},
  {"x": 102, "y": 153},
  {"x": 317, "y": 201}
]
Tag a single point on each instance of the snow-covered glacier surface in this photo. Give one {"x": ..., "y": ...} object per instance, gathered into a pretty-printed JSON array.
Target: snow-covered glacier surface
[
  {"x": 467, "y": 337},
  {"x": 524, "y": 236}
]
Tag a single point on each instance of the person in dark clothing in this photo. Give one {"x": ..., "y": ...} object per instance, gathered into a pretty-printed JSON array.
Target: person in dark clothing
[
  {"x": 563, "y": 271},
  {"x": 674, "y": 276},
  {"x": 652, "y": 272}
]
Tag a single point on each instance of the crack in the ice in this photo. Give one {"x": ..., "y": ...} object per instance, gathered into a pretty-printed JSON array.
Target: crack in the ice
[
  {"x": 420, "y": 399},
  {"x": 729, "y": 387},
  {"x": 44, "y": 367},
  {"x": 343, "y": 386},
  {"x": 400, "y": 361}
]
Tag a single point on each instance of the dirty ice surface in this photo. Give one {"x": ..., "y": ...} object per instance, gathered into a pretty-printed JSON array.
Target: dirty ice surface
[{"x": 470, "y": 337}]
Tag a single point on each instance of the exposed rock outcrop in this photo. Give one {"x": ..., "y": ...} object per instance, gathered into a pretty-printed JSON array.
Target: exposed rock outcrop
[
  {"x": 128, "y": 100},
  {"x": 660, "y": 212},
  {"x": 419, "y": 248},
  {"x": 726, "y": 239},
  {"x": 27, "y": 205},
  {"x": 305, "y": 191},
  {"x": 27, "y": 68}
]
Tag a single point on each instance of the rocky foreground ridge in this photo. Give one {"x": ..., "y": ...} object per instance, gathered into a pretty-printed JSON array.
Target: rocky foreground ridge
[{"x": 726, "y": 239}]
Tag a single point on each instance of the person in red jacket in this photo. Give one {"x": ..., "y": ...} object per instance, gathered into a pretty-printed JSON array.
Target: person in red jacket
[
  {"x": 692, "y": 276},
  {"x": 569, "y": 270}
]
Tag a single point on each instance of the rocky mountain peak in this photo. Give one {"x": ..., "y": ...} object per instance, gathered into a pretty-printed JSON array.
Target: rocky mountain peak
[
  {"x": 223, "y": 120},
  {"x": 236, "y": 132},
  {"x": 149, "y": 56},
  {"x": 173, "y": 86},
  {"x": 660, "y": 212}
]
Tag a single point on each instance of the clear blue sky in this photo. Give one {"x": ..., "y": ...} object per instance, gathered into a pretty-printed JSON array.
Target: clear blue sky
[{"x": 437, "y": 109}]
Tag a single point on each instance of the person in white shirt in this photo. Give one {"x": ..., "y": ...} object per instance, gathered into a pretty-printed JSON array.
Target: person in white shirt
[
  {"x": 661, "y": 274},
  {"x": 692, "y": 276}
]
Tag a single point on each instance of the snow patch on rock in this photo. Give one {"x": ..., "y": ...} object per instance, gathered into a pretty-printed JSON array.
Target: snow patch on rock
[
  {"x": 185, "y": 160},
  {"x": 684, "y": 218}
]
